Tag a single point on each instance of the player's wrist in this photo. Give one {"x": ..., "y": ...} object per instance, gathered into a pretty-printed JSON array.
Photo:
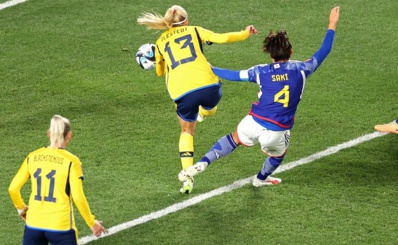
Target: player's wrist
[
  {"x": 23, "y": 210},
  {"x": 332, "y": 26}
]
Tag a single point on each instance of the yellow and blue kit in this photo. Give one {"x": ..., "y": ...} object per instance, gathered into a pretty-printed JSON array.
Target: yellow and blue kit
[
  {"x": 180, "y": 58},
  {"x": 56, "y": 179}
]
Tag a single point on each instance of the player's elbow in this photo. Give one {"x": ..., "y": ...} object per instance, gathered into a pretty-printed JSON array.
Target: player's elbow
[{"x": 13, "y": 190}]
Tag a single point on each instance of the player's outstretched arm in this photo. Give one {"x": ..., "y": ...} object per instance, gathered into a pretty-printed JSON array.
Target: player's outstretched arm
[
  {"x": 327, "y": 44},
  {"x": 334, "y": 18},
  {"x": 227, "y": 74}
]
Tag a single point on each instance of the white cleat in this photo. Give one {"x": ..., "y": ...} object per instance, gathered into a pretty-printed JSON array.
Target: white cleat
[
  {"x": 187, "y": 186},
  {"x": 188, "y": 173},
  {"x": 200, "y": 119},
  {"x": 268, "y": 181},
  {"x": 391, "y": 128}
]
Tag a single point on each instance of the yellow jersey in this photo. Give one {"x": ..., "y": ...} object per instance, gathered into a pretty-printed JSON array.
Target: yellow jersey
[
  {"x": 179, "y": 57},
  {"x": 56, "y": 179}
]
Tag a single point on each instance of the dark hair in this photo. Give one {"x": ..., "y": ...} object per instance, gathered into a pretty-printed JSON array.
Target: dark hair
[{"x": 278, "y": 45}]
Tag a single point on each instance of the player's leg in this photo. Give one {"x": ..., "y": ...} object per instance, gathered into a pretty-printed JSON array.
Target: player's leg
[
  {"x": 275, "y": 144},
  {"x": 187, "y": 111},
  {"x": 264, "y": 176},
  {"x": 34, "y": 237},
  {"x": 186, "y": 148},
  {"x": 209, "y": 98},
  {"x": 205, "y": 112},
  {"x": 185, "y": 144},
  {"x": 188, "y": 108},
  {"x": 391, "y": 127},
  {"x": 224, "y": 146}
]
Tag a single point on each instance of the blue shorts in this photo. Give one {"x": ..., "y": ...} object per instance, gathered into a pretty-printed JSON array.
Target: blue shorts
[
  {"x": 34, "y": 236},
  {"x": 188, "y": 105}
]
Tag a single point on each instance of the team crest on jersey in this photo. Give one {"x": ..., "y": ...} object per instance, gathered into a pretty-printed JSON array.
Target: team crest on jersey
[{"x": 186, "y": 154}]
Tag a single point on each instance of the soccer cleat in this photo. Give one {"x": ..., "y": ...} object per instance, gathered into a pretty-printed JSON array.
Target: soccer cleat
[
  {"x": 391, "y": 127},
  {"x": 268, "y": 181},
  {"x": 187, "y": 186},
  {"x": 203, "y": 113},
  {"x": 184, "y": 175},
  {"x": 200, "y": 118}
]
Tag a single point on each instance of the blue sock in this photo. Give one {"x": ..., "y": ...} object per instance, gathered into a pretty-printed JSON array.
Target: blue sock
[
  {"x": 396, "y": 121},
  {"x": 223, "y": 147},
  {"x": 269, "y": 166}
]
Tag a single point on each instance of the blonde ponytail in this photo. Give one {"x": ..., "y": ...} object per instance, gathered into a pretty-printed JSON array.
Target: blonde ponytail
[
  {"x": 59, "y": 128},
  {"x": 174, "y": 16}
]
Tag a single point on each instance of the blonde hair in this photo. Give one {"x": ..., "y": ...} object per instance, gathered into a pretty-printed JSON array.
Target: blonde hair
[
  {"x": 174, "y": 16},
  {"x": 59, "y": 129}
]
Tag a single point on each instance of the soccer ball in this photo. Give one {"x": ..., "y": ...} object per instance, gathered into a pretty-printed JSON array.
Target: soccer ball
[{"x": 145, "y": 56}]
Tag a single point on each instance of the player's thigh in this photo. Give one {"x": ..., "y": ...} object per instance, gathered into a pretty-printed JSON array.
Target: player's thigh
[
  {"x": 210, "y": 97},
  {"x": 188, "y": 106},
  {"x": 249, "y": 131},
  {"x": 274, "y": 143},
  {"x": 33, "y": 236},
  {"x": 62, "y": 237}
]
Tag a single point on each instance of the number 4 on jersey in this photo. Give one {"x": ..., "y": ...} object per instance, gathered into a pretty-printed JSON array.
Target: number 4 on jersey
[{"x": 283, "y": 96}]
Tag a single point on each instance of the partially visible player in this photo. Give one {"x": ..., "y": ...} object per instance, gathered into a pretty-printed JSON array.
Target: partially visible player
[
  {"x": 272, "y": 116},
  {"x": 56, "y": 179},
  {"x": 191, "y": 83},
  {"x": 391, "y": 127}
]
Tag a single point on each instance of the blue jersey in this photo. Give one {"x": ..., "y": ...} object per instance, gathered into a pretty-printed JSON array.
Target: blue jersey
[{"x": 281, "y": 86}]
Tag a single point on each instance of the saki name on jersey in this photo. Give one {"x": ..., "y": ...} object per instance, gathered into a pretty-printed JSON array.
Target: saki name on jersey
[{"x": 280, "y": 78}]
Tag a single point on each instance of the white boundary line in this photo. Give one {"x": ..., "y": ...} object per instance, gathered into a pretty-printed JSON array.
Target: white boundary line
[
  {"x": 10, "y": 3},
  {"x": 237, "y": 184}
]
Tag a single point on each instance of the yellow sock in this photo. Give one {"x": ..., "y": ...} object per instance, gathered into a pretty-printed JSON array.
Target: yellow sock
[
  {"x": 207, "y": 113},
  {"x": 186, "y": 150}
]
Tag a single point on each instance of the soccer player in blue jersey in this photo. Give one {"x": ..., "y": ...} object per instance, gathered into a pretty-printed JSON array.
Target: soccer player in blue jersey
[
  {"x": 56, "y": 179},
  {"x": 191, "y": 83},
  {"x": 272, "y": 116},
  {"x": 391, "y": 128}
]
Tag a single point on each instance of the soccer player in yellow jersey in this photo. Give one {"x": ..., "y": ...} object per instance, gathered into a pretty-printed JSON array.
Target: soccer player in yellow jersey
[
  {"x": 191, "y": 83},
  {"x": 56, "y": 179}
]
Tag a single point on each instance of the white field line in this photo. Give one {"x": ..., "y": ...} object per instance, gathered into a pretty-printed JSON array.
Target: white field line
[
  {"x": 237, "y": 184},
  {"x": 10, "y": 3}
]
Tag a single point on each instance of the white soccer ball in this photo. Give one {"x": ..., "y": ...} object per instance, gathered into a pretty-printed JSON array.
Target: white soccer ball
[{"x": 145, "y": 56}]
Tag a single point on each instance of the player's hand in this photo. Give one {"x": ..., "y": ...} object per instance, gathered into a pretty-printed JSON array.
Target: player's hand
[
  {"x": 97, "y": 228},
  {"x": 22, "y": 212},
  {"x": 334, "y": 17},
  {"x": 251, "y": 29}
]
